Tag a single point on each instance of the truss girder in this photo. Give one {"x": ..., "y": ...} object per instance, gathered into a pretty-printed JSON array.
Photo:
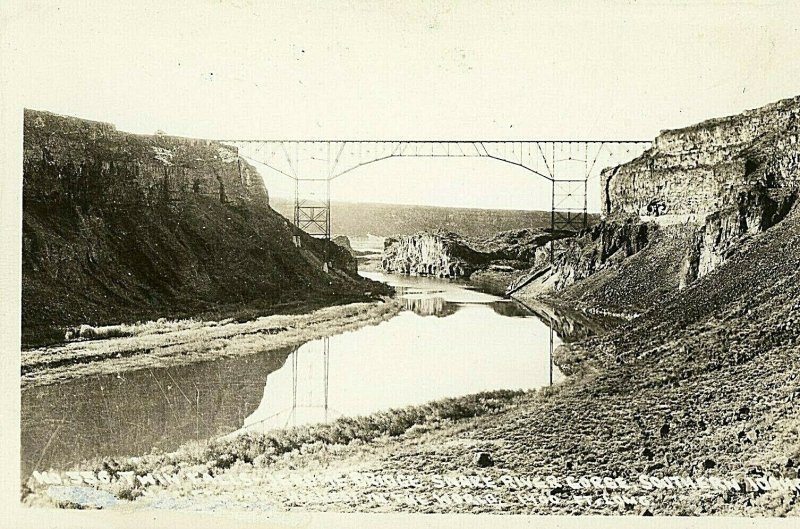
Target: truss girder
[
  {"x": 550, "y": 159},
  {"x": 569, "y": 166}
]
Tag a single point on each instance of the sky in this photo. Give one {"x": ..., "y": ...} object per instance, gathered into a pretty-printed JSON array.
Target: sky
[{"x": 378, "y": 69}]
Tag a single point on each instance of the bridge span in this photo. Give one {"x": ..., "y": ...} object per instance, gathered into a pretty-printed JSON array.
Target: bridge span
[{"x": 568, "y": 165}]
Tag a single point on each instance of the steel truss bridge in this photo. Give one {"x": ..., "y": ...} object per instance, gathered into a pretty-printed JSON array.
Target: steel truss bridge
[{"x": 568, "y": 165}]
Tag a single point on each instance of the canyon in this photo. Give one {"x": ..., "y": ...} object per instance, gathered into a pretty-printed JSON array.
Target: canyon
[
  {"x": 682, "y": 209},
  {"x": 695, "y": 266}
]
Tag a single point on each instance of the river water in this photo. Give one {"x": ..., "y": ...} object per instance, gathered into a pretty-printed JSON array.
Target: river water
[{"x": 451, "y": 340}]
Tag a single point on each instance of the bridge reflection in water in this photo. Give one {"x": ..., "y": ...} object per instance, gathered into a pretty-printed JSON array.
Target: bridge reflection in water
[
  {"x": 451, "y": 341},
  {"x": 400, "y": 363}
]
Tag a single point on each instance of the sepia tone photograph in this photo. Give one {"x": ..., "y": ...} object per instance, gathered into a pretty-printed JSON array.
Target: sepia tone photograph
[{"x": 426, "y": 263}]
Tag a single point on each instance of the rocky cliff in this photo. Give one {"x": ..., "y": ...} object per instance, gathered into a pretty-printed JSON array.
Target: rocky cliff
[
  {"x": 447, "y": 254},
  {"x": 700, "y": 252},
  {"x": 699, "y": 170},
  {"x": 119, "y": 227},
  {"x": 439, "y": 254},
  {"x": 93, "y": 166},
  {"x": 699, "y": 191}
]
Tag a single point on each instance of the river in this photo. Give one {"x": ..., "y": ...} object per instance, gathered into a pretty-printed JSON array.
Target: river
[{"x": 451, "y": 340}]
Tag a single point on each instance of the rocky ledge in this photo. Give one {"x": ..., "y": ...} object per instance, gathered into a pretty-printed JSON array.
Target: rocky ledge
[{"x": 439, "y": 254}]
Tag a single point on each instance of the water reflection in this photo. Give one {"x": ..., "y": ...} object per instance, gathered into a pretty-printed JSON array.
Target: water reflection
[
  {"x": 454, "y": 291},
  {"x": 570, "y": 326},
  {"x": 135, "y": 412},
  {"x": 478, "y": 343},
  {"x": 430, "y": 306},
  {"x": 510, "y": 308}
]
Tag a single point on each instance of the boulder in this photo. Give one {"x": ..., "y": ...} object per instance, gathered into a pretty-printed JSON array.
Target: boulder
[{"x": 483, "y": 459}]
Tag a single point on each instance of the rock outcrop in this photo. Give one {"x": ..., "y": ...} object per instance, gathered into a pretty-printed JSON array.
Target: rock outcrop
[
  {"x": 344, "y": 242},
  {"x": 92, "y": 165},
  {"x": 757, "y": 209},
  {"x": 447, "y": 254},
  {"x": 710, "y": 186},
  {"x": 603, "y": 245},
  {"x": 439, "y": 254},
  {"x": 699, "y": 170}
]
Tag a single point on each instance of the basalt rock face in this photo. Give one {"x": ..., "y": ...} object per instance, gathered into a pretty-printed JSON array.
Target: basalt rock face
[
  {"x": 92, "y": 165},
  {"x": 602, "y": 245},
  {"x": 710, "y": 186},
  {"x": 119, "y": 227},
  {"x": 723, "y": 231},
  {"x": 439, "y": 254},
  {"x": 702, "y": 169}
]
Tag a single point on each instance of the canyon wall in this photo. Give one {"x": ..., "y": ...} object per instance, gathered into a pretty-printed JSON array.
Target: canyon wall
[
  {"x": 705, "y": 168},
  {"x": 92, "y": 165},
  {"x": 119, "y": 227},
  {"x": 700, "y": 191}
]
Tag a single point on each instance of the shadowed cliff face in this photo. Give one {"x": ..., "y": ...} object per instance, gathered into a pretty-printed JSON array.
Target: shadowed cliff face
[
  {"x": 757, "y": 209},
  {"x": 120, "y": 227}
]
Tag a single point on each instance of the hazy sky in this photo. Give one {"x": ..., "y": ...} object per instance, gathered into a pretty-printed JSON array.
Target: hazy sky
[{"x": 402, "y": 70}]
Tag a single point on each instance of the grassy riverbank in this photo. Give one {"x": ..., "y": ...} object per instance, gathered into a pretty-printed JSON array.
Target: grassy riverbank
[
  {"x": 176, "y": 342},
  {"x": 265, "y": 451}
]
